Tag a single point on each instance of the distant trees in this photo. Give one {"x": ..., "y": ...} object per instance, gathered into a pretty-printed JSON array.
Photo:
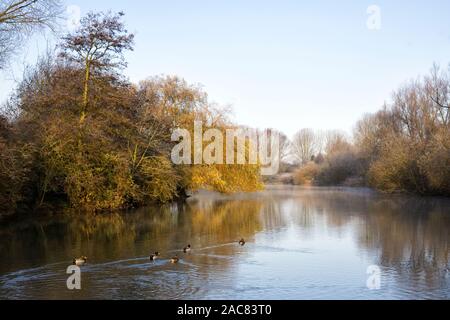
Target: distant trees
[
  {"x": 342, "y": 165},
  {"x": 306, "y": 144},
  {"x": 19, "y": 18},
  {"x": 336, "y": 141},
  {"x": 330, "y": 159},
  {"x": 405, "y": 145}
]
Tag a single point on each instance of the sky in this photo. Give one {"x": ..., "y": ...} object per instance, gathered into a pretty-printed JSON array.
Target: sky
[{"x": 279, "y": 64}]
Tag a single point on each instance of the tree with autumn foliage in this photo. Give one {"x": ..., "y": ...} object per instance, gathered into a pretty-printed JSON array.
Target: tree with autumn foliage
[{"x": 79, "y": 134}]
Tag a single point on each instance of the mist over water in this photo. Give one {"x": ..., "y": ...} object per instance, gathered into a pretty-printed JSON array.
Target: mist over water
[{"x": 302, "y": 243}]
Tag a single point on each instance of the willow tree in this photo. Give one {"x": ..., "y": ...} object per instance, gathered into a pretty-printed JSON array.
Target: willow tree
[
  {"x": 98, "y": 47},
  {"x": 169, "y": 103}
]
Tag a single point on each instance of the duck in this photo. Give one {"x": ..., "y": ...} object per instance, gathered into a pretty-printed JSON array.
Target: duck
[
  {"x": 187, "y": 249},
  {"x": 174, "y": 259},
  {"x": 80, "y": 261},
  {"x": 242, "y": 242},
  {"x": 154, "y": 256}
]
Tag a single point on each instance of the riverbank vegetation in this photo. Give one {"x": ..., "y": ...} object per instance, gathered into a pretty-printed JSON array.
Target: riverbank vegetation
[
  {"x": 403, "y": 147},
  {"x": 77, "y": 132}
]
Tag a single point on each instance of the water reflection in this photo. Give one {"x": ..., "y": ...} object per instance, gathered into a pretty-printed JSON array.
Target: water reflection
[{"x": 302, "y": 243}]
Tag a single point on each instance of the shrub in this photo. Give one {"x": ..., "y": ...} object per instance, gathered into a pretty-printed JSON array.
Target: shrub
[
  {"x": 307, "y": 174},
  {"x": 338, "y": 168}
]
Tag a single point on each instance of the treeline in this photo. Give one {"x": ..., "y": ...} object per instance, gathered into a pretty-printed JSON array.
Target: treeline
[
  {"x": 76, "y": 132},
  {"x": 403, "y": 147}
]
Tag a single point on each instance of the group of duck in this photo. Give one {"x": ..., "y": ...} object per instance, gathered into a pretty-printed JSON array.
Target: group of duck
[{"x": 83, "y": 260}]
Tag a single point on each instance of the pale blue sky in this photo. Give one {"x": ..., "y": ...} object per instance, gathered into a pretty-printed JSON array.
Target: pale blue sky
[{"x": 283, "y": 64}]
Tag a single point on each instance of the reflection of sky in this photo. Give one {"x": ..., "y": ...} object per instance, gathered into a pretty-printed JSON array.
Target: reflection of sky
[
  {"x": 314, "y": 62},
  {"x": 319, "y": 260},
  {"x": 331, "y": 262}
]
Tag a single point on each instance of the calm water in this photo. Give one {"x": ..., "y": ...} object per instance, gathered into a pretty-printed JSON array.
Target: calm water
[{"x": 301, "y": 244}]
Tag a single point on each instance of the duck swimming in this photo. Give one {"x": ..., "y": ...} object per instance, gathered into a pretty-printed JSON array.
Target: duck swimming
[
  {"x": 174, "y": 259},
  {"x": 242, "y": 242},
  {"x": 187, "y": 249},
  {"x": 80, "y": 261},
  {"x": 154, "y": 256}
]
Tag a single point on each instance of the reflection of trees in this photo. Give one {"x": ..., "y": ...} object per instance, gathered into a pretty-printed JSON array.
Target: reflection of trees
[
  {"x": 35, "y": 241},
  {"x": 104, "y": 237},
  {"x": 272, "y": 214},
  {"x": 406, "y": 233},
  {"x": 225, "y": 220},
  {"x": 410, "y": 233}
]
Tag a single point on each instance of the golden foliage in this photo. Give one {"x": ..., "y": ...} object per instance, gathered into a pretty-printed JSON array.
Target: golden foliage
[
  {"x": 226, "y": 178},
  {"x": 306, "y": 174},
  {"x": 160, "y": 179}
]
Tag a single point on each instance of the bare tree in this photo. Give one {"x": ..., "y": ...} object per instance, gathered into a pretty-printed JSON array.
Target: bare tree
[
  {"x": 437, "y": 88},
  {"x": 19, "y": 18},
  {"x": 336, "y": 141},
  {"x": 284, "y": 145},
  {"x": 306, "y": 144},
  {"x": 98, "y": 48}
]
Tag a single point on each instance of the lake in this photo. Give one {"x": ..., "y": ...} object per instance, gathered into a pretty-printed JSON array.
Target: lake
[{"x": 301, "y": 243}]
